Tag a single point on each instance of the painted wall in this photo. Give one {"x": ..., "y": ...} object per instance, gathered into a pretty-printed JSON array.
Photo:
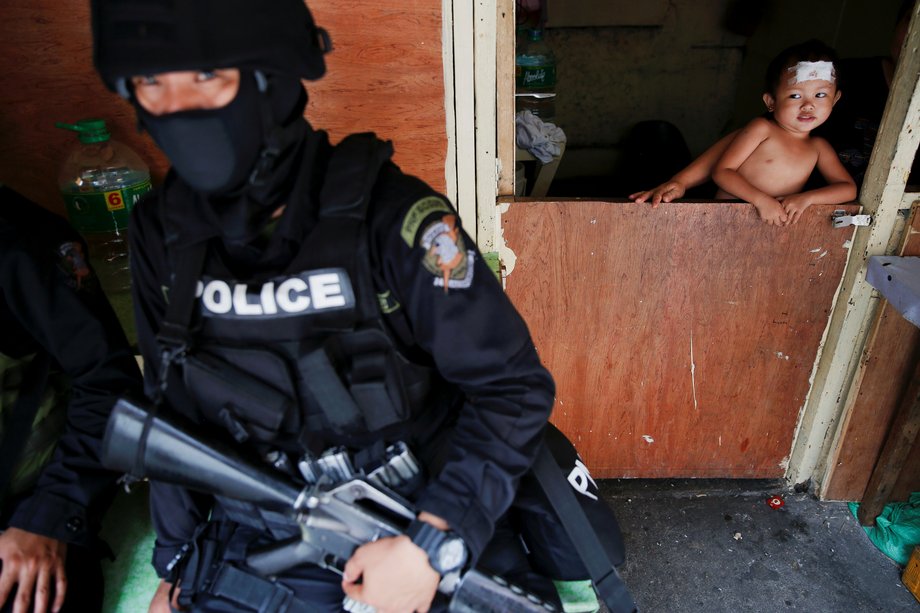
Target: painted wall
[
  {"x": 610, "y": 77},
  {"x": 683, "y": 70}
]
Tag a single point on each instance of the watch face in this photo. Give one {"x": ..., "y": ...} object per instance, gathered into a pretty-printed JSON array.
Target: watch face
[{"x": 451, "y": 555}]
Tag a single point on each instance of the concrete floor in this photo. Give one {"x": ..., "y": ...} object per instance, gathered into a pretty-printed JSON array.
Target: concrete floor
[{"x": 714, "y": 545}]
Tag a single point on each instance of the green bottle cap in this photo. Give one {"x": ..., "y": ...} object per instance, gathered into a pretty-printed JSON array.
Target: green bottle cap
[{"x": 89, "y": 130}]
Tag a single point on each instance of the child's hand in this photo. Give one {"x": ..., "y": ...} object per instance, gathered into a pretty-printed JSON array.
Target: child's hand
[
  {"x": 771, "y": 211},
  {"x": 666, "y": 192},
  {"x": 794, "y": 205}
]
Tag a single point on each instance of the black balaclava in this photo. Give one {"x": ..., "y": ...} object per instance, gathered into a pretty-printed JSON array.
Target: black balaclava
[
  {"x": 213, "y": 150},
  {"x": 236, "y": 159},
  {"x": 263, "y": 151}
]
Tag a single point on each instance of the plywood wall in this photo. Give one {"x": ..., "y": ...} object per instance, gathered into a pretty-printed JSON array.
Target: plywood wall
[
  {"x": 385, "y": 75},
  {"x": 681, "y": 339}
]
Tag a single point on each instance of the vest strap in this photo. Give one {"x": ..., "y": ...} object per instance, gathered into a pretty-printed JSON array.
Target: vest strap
[
  {"x": 578, "y": 527},
  {"x": 338, "y": 406},
  {"x": 174, "y": 337},
  {"x": 174, "y": 331},
  {"x": 346, "y": 193},
  {"x": 352, "y": 173}
]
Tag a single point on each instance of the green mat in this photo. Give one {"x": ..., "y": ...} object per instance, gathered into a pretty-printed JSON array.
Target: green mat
[{"x": 129, "y": 580}]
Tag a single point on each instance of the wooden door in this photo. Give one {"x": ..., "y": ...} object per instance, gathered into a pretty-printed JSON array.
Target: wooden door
[{"x": 681, "y": 338}]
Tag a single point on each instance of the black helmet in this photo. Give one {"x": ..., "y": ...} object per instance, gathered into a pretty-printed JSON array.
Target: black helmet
[{"x": 140, "y": 37}]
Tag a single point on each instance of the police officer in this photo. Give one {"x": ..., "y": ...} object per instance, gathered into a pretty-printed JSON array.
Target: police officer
[
  {"x": 63, "y": 361},
  {"x": 298, "y": 296}
]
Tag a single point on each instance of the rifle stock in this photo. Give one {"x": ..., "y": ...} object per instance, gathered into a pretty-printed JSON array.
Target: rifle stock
[{"x": 144, "y": 443}]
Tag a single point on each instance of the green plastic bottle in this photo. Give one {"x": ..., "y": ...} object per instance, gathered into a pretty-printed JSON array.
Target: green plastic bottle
[
  {"x": 535, "y": 76},
  {"x": 101, "y": 180}
]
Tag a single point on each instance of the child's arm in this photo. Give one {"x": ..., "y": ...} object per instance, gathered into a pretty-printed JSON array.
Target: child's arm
[
  {"x": 696, "y": 173},
  {"x": 727, "y": 177},
  {"x": 840, "y": 186}
]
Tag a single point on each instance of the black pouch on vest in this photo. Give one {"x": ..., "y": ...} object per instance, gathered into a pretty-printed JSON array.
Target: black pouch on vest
[
  {"x": 355, "y": 381},
  {"x": 196, "y": 569},
  {"x": 248, "y": 391}
]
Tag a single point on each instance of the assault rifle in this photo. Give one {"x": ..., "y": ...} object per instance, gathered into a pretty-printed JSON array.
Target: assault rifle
[{"x": 335, "y": 516}]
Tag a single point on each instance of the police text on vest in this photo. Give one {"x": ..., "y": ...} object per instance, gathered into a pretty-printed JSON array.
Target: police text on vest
[{"x": 302, "y": 293}]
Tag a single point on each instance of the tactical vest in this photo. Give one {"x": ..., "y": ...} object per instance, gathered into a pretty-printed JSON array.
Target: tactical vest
[{"x": 299, "y": 361}]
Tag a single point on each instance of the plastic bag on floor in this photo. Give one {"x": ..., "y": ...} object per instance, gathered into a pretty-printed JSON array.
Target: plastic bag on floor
[{"x": 897, "y": 528}]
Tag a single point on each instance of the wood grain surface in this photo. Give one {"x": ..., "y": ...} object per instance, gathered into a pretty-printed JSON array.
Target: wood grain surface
[{"x": 681, "y": 338}]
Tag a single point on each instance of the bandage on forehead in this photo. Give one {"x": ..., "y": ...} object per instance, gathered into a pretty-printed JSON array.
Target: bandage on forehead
[{"x": 812, "y": 71}]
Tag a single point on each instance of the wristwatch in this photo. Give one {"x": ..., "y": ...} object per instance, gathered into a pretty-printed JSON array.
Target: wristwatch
[{"x": 446, "y": 550}]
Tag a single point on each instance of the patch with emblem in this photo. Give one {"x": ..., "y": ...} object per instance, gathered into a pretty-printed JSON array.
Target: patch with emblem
[
  {"x": 74, "y": 264},
  {"x": 417, "y": 214},
  {"x": 446, "y": 255}
]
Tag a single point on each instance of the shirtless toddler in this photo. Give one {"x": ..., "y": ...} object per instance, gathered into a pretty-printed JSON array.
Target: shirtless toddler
[{"x": 770, "y": 159}]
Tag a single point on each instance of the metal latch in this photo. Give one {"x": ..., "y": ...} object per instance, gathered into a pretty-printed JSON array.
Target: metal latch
[{"x": 842, "y": 220}]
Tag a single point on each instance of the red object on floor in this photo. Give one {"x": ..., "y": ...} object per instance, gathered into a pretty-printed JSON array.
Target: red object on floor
[{"x": 776, "y": 502}]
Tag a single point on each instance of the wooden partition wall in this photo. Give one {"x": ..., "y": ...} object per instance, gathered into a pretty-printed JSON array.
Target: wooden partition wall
[
  {"x": 885, "y": 371},
  {"x": 385, "y": 75},
  {"x": 681, "y": 338}
]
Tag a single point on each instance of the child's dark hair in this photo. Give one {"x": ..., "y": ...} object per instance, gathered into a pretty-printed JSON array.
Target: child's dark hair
[{"x": 810, "y": 51}]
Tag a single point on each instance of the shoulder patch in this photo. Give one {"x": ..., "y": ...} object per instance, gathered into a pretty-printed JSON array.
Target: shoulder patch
[
  {"x": 446, "y": 255},
  {"x": 417, "y": 214}
]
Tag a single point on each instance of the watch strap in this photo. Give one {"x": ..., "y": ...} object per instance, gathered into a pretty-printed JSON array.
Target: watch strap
[
  {"x": 436, "y": 543},
  {"x": 426, "y": 536}
]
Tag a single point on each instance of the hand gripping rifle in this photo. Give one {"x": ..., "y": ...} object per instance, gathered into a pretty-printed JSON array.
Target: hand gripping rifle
[{"x": 334, "y": 518}]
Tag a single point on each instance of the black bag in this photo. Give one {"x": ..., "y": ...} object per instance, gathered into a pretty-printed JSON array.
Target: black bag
[{"x": 571, "y": 532}]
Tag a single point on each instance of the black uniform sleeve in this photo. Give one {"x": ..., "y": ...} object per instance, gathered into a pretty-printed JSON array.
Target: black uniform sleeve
[
  {"x": 65, "y": 313},
  {"x": 479, "y": 343},
  {"x": 175, "y": 511}
]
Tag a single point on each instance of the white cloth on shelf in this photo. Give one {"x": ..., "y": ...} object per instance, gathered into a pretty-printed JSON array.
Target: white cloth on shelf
[{"x": 541, "y": 139}]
